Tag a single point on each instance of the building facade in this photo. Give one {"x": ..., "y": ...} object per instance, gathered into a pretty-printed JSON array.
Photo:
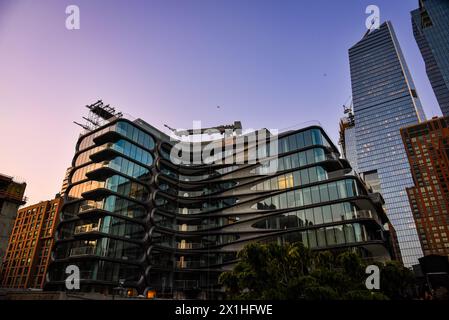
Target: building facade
[
  {"x": 28, "y": 255},
  {"x": 135, "y": 216},
  {"x": 431, "y": 29},
  {"x": 427, "y": 146},
  {"x": 11, "y": 198},
  {"x": 384, "y": 100}
]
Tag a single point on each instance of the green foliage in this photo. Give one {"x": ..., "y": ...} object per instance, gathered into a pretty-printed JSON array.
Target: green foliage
[{"x": 293, "y": 272}]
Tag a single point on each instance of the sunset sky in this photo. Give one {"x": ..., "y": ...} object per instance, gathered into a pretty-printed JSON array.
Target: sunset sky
[{"x": 272, "y": 64}]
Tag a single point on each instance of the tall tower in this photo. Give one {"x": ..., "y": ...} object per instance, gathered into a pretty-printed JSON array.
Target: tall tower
[
  {"x": 431, "y": 29},
  {"x": 385, "y": 99}
]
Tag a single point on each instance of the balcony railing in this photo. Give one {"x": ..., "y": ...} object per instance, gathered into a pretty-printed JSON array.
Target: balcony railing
[
  {"x": 86, "y": 228},
  {"x": 188, "y": 245},
  {"x": 90, "y": 205},
  {"x": 180, "y": 264},
  {"x": 82, "y": 251},
  {"x": 186, "y": 284}
]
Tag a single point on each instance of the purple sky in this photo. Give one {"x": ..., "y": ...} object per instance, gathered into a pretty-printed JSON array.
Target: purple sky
[{"x": 271, "y": 64}]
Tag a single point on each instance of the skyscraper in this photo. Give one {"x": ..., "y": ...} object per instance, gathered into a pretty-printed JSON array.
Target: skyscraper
[
  {"x": 135, "y": 216},
  {"x": 431, "y": 29},
  {"x": 427, "y": 146},
  {"x": 385, "y": 99}
]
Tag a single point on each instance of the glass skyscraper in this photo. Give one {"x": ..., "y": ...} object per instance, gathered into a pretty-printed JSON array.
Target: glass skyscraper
[
  {"x": 385, "y": 99},
  {"x": 431, "y": 29}
]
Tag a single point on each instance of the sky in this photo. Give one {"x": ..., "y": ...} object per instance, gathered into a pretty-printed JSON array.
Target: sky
[{"x": 270, "y": 64}]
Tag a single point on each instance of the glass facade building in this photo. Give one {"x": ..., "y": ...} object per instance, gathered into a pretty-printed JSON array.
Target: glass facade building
[
  {"x": 431, "y": 29},
  {"x": 384, "y": 100},
  {"x": 134, "y": 217}
]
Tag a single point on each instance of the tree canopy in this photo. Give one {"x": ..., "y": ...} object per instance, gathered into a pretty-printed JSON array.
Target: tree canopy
[{"x": 293, "y": 272}]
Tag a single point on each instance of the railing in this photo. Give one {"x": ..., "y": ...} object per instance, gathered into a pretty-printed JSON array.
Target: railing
[
  {"x": 187, "y": 264},
  {"x": 366, "y": 214},
  {"x": 82, "y": 251},
  {"x": 188, "y": 245},
  {"x": 98, "y": 251},
  {"x": 186, "y": 284},
  {"x": 12, "y": 196},
  {"x": 86, "y": 228},
  {"x": 90, "y": 204},
  {"x": 184, "y": 227}
]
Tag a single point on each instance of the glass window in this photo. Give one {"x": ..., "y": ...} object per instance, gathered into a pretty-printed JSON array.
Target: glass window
[
  {"x": 283, "y": 221},
  {"x": 341, "y": 185},
  {"x": 292, "y": 142},
  {"x": 339, "y": 235},
  {"x": 312, "y": 174},
  {"x": 351, "y": 188},
  {"x": 324, "y": 194},
  {"x": 266, "y": 185},
  {"x": 307, "y": 138},
  {"x": 284, "y": 143},
  {"x": 316, "y": 137},
  {"x": 349, "y": 233},
  {"x": 275, "y": 202},
  {"x": 283, "y": 200},
  {"x": 348, "y": 210},
  {"x": 295, "y": 160},
  {"x": 305, "y": 177},
  {"x": 297, "y": 178},
  {"x": 301, "y": 217},
  {"x": 291, "y": 199},
  {"x": 302, "y": 159},
  {"x": 318, "y": 215},
  {"x": 281, "y": 164},
  {"x": 319, "y": 155},
  {"x": 333, "y": 193},
  {"x": 315, "y": 191},
  {"x": 337, "y": 213},
  {"x": 311, "y": 235},
  {"x": 299, "y": 199},
  {"x": 300, "y": 140},
  {"x": 330, "y": 236},
  {"x": 321, "y": 237},
  {"x": 292, "y": 220},
  {"x": 358, "y": 232},
  {"x": 307, "y": 197},
  {"x": 322, "y": 174},
  {"x": 327, "y": 214},
  {"x": 310, "y": 156},
  {"x": 309, "y": 217},
  {"x": 304, "y": 239},
  {"x": 287, "y": 163}
]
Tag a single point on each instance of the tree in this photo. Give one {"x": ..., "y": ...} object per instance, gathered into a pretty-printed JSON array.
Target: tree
[{"x": 293, "y": 272}]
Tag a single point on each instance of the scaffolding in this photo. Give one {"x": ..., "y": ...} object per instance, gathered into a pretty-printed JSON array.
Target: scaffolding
[{"x": 99, "y": 114}]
